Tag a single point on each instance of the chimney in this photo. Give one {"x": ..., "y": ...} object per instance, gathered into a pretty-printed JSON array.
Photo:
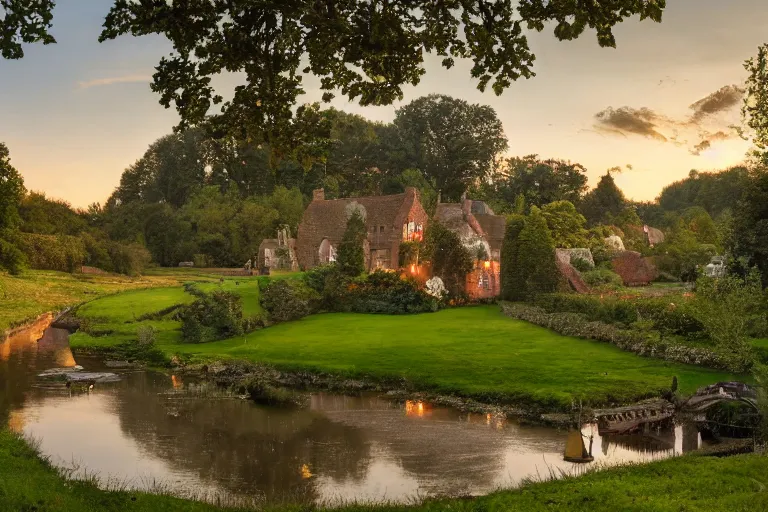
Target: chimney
[
  {"x": 411, "y": 192},
  {"x": 318, "y": 194}
]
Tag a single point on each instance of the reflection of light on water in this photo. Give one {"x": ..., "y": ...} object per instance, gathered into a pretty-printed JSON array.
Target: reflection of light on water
[
  {"x": 16, "y": 421},
  {"x": 176, "y": 382},
  {"x": 414, "y": 408},
  {"x": 305, "y": 472}
]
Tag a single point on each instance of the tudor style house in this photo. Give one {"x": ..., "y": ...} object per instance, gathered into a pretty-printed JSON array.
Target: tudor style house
[
  {"x": 390, "y": 220},
  {"x": 397, "y": 218},
  {"x": 482, "y": 232}
]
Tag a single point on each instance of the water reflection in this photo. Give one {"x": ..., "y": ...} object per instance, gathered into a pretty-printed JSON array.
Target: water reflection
[{"x": 152, "y": 427}]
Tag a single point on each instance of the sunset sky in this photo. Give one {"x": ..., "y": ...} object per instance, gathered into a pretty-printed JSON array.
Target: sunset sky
[{"x": 74, "y": 115}]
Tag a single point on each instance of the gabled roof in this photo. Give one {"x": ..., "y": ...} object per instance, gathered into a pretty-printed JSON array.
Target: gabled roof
[
  {"x": 328, "y": 218},
  {"x": 494, "y": 226}
]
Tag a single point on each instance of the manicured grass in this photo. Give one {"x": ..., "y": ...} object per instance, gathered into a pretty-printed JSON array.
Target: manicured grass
[
  {"x": 688, "y": 483},
  {"x": 132, "y": 305},
  {"x": 36, "y": 292},
  {"x": 116, "y": 319},
  {"x": 469, "y": 351}
]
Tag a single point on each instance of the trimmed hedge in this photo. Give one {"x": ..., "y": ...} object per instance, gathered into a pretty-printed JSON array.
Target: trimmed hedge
[
  {"x": 578, "y": 325},
  {"x": 666, "y": 317}
]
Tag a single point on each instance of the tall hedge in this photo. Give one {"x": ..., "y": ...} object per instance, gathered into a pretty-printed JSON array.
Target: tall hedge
[
  {"x": 450, "y": 260},
  {"x": 537, "y": 255},
  {"x": 512, "y": 279},
  {"x": 53, "y": 252}
]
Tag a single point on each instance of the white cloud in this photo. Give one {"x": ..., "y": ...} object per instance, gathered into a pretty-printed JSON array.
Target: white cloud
[{"x": 114, "y": 80}]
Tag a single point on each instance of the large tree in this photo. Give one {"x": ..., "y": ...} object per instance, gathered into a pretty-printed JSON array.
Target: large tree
[
  {"x": 452, "y": 142},
  {"x": 537, "y": 181},
  {"x": 368, "y": 50},
  {"x": 11, "y": 193}
]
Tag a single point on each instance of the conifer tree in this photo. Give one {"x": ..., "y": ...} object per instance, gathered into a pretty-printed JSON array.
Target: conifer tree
[
  {"x": 351, "y": 255},
  {"x": 512, "y": 279},
  {"x": 537, "y": 255}
]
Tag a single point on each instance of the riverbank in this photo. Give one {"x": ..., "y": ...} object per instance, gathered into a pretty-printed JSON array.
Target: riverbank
[
  {"x": 472, "y": 352},
  {"x": 690, "y": 482}
]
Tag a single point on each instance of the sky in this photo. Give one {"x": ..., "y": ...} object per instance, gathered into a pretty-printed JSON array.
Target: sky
[{"x": 74, "y": 115}]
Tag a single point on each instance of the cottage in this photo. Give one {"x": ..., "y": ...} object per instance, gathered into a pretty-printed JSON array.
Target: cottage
[
  {"x": 482, "y": 232},
  {"x": 390, "y": 220},
  {"x": 278, "y": 253}
]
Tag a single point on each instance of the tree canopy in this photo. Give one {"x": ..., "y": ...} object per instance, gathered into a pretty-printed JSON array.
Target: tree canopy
[
  {"x": 536, "y": 182},
  {"x": 367, "y": 51},
  {"x": 452, "y": 142}
]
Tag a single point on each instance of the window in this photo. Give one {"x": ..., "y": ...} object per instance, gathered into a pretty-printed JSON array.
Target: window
[
  {"x": 381, "y": 229},
  {"x": 483, "y": 282}
]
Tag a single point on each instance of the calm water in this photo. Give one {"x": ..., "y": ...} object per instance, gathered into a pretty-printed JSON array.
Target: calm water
[{"x": 152, "y": 428}]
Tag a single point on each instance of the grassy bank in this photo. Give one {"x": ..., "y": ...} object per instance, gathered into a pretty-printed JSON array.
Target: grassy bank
[
  {"x": 474, "y": 352},
  {"x": 681, "y": 484},
  {"x": 115, "y": 320},
  {"x": 35, "y": 292},
  {"x": 29, "y": 483}
]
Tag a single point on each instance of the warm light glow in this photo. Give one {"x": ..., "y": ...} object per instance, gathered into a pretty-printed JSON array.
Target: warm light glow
[
  {"x": 305, "y": 472},
  {"x": 487, "y": 264},
  {"x": 176, "y": 382},
  {"x": 414, "y": 408},
  {"x": 413, "y": 269}
]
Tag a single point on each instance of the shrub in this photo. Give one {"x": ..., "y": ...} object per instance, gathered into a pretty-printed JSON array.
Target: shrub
[
  {"x": 289, "y": 299},
  {"x": 11, "y": 258},
  {"x": 387, "y": 292},
  {"x": 581, "y": 264},
  {"x": 212, "y": 316},
  {"x": 97, "y": 252},
  {"x": 52, "y": 252},
  {"x": 724, "y": 306},
  {"x": 145, "y": 335},
  {"x": 601, "y": 277},
  {"x": 575, "y": 324},
  {"x": 129, "y": 259},
  {"x": 450, "y": 260}
]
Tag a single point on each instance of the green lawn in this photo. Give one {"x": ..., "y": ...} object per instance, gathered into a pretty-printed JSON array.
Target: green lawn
[
  {"x": 121, "y": 315},
  {"x": 472, "y": 351},
  {"x": 36, "y": 292},
  {"x": 689, "y": 483},
  {"x": 132, "y": 305}
]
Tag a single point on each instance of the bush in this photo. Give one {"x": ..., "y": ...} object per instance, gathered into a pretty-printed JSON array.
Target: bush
[
  {"x": 581, "y": 264},
  {"x": 52, "y": 252},
  {"x": 97, "y": 252},
  {"x": 11, "y": 258},
  {"x": 601, "y": 277},
  {"x": 129, "y": 259},
  {"x": 289, "y": 299},
  {"x": 212, "y": 316},
  {"x": 145, "y": 335},
  {"x": 575, "y": 324},
  {"x": 609, "y": 310},
  {"x": 387, "y": 292}
]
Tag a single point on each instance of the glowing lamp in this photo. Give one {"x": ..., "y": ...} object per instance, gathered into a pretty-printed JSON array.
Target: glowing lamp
[
  {"x": 413, "y": 269},
  {"x": 487, "y": 264}
]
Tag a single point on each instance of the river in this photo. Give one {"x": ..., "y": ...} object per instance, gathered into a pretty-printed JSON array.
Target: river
[{"x": 155, "y": 431}]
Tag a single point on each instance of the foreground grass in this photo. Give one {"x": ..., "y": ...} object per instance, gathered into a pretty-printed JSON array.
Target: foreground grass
[
  {"x": 34, "y": 292},
  {"x": 680, "y": 484},
  {"x": 29, "y": 483}
]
